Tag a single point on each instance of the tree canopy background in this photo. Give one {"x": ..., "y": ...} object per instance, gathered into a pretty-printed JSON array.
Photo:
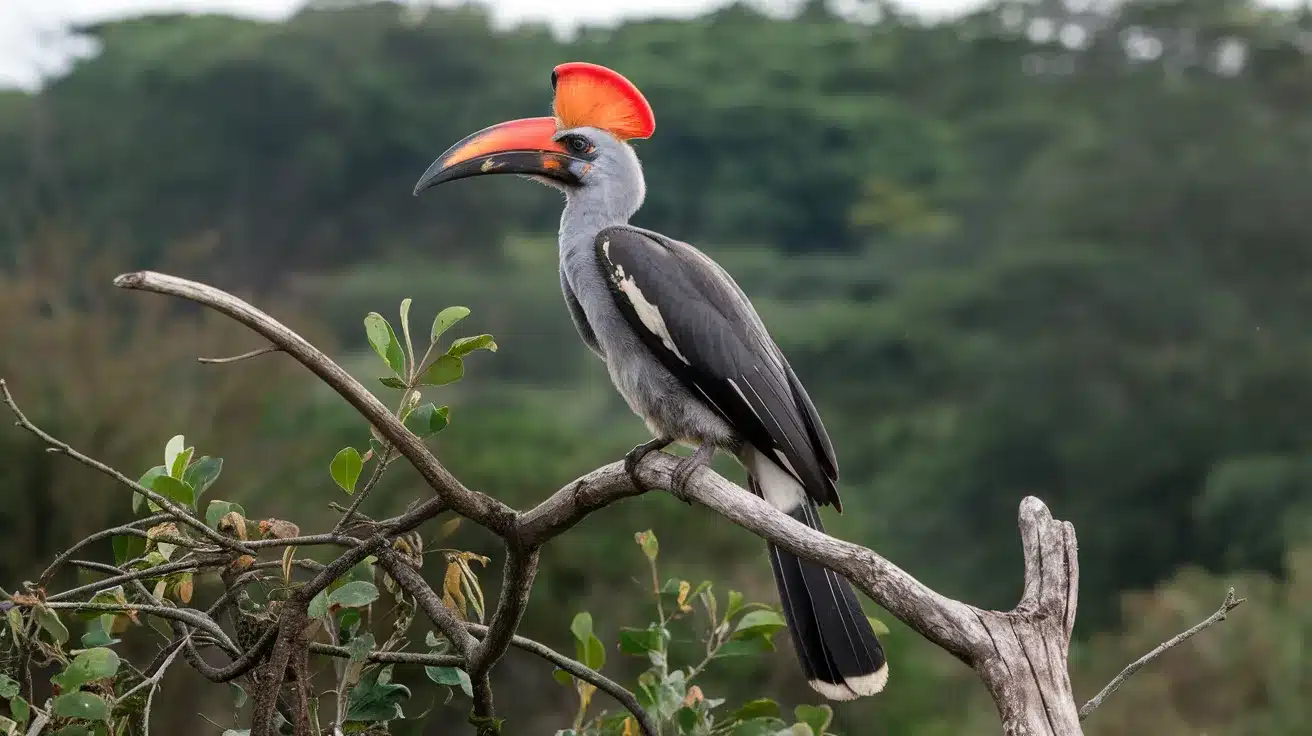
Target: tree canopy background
[{"x": 1052, "y": 248}]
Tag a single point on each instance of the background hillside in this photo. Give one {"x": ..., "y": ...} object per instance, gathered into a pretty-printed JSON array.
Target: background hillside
[{"x": 1045, "y": 249}]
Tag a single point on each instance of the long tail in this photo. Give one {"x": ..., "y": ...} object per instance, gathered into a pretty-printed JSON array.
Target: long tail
[{"x": 840, "y": 654}]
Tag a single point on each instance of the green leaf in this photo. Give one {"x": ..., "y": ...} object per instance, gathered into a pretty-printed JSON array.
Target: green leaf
[
  {"x": 445, "y": 319},
  {"x": 446, "y": 369},
  {"x": 758, "y": 623},
  {"x": 360, "y": 647},
  {"x": 466, "y": 345},
  {"x": 640, "y": 641},
  {"x": 175, "y": 447},
  {"x": 8, "y": 727},
  {"x": 383, "y": 340},
  {"x": 219, "y": 509},
  {"x": 318, "y": 607},
  {"x": 735, "y": 604},
  {"x": 49, "y": 620},
  {"x": 75, "y": 730},
  {"x": 92, "y": 664},
  {"x": 392, "y": 382},
  {"x": 647, "y": 540},
  {"x": 201, "y": 474},
  {"x": 82, "y": 705},
  {"x": 594, "y": 654},
  {"x": 238, "y": 695},
  {"x": 356, "y": 594},
  {"x": 451, "y": 676},
  {"x": 114, "y": 596},
  {"x": 346, "y": 467},
  {"x": 147, "y": 480},
  {"x": 9, "y": 687},
  {"x": 376, "y": 698},
  {"x": 762, "y": 708},
  {"x": 97, "y": 635},
  {"x": 879, "y": 627},
  {"x": 562, "y": 677},
  {"x": 427, "y": 420},
  {"x": 127, "y": 548},
  {"x": 180, "y": 463},
  {"x": 19, "y": 709},
  {"x": 581, "y": 627},
  {"x": 818, "y": 717},
  {"x": 405, "y": 325},
  {"x": 687, "y": 718},
  {"x": 174, "y": 490}
]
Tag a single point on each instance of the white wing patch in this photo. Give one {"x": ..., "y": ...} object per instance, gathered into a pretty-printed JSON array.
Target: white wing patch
[{"x": 649, "y": 314}]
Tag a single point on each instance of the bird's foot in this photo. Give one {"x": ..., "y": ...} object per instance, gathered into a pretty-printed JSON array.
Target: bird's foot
[
  {"x": 636, "y": 455},
  {"x": 686, "y": 467}
]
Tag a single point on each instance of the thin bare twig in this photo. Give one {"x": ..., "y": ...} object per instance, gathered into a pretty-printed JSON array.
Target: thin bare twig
[
  {"x": 252, "y": 354},
  {"x": 187, "y": 616},
  {"x": 132, "y": 529},
  {"x": 175, "y": 511},
  {"x": 1227, "y": 605},
  {"x": 581, "y": 671}
]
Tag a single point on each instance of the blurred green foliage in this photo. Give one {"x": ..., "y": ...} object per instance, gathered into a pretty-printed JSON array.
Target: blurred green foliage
[{"x": 1042, "y": 249}]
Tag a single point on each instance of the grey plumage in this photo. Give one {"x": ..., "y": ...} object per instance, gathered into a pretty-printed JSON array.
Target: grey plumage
[{"x": 689, "y": 354}]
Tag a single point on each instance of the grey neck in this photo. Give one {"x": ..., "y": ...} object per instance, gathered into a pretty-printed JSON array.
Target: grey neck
[{"x": 587, "y": 214}]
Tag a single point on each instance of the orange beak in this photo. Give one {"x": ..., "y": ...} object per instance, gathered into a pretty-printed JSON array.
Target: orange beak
[{"x": 516, "y": 147}]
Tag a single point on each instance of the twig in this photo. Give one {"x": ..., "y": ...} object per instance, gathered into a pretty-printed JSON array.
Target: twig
[
  {"x": 187, "y": 616},
  {"x": 252, "y": 354},
  {"x": 581, "y": 671},
  {"x": 1229, "y": 604},
  {"x": 125, "y": 530},
  {"x": 38, "y": 724},
  {"x": 153, "y": 682},
  {"x": 175, "y": 511},
  {"x": 382, "y": 657},
  {"x": 427, "y": 600},
  {"x": 150, "y": 572},
  {"x": 379, "y": 467}
]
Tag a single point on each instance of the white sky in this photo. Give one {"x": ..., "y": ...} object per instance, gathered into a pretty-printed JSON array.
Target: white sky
[{"x": 30, "y": 39}]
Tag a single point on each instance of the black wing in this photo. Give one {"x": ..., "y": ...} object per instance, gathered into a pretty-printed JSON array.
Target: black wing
[{"x": 706, "y": 332}]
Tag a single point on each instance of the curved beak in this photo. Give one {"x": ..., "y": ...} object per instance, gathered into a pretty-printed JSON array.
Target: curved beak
[{"x": 522, "y": 147}]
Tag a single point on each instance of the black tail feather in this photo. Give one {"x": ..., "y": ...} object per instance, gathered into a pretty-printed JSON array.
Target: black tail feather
[{"x": 838, "y": 649}]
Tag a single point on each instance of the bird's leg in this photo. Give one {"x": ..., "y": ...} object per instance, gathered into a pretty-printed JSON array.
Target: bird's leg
[
  {"x": 636, "y": 455},
  {"x": 687, "y": 466}
]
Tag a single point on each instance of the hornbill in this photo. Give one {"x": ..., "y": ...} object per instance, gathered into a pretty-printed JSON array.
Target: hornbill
[{"x": 683, "y": 345}]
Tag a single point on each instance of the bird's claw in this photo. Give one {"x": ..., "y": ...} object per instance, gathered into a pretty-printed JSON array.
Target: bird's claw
[
  {"x": 684, "y": 470},
  {"x": 635, "y": 456}
]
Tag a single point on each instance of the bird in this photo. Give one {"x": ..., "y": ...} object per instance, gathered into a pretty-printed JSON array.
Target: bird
[{"x": 682, "y": 344}]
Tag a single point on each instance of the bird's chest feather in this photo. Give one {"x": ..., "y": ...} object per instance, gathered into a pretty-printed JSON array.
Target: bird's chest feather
[{"x": 665, "y": 405}]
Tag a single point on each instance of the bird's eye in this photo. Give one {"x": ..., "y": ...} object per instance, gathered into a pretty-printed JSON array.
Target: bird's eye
[{"x": 577, "y": 144}]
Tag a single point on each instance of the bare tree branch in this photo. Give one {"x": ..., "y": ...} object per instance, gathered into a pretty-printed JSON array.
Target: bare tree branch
[
  {"x": 133, "y": 529},
  {"x": 481, "y": 508},
  {"x": 1227, "y": 605},
  {"x": 252, "y": 354}
]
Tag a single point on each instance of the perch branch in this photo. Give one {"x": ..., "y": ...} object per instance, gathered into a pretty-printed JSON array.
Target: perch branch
[{"x": 1227, "y": 605}]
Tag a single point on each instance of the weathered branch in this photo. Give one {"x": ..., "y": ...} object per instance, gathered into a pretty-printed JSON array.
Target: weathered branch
[
  {"x": 236, "y": 358},
  {"x": 1227, "y": 605},
  {"x": 478, "y": 507},
  {"x": 133, "y": 529}
]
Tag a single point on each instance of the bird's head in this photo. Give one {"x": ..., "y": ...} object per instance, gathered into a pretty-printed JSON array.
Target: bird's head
[{"x": 582, "y": 147}]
